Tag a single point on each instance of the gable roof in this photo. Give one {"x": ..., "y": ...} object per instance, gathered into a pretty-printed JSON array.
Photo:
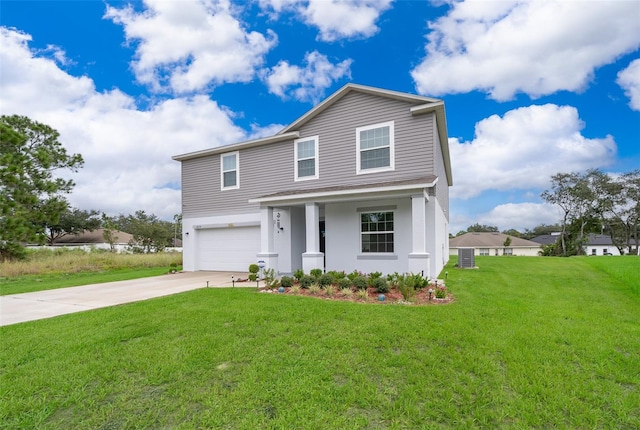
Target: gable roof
[
  {"x": 422, "y": 105},
  {"x": 592, "y": 239},
  {"x": 489, "y": 240},
  {"x": 546, "y": 239}
]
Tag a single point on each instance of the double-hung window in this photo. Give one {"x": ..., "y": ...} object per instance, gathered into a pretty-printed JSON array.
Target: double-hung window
[
  {"x": 306, "y": 156},
  {"x": 229, "y": 171},
  {"x": 376, "y": 232},
  {"x": 375, "y": 148}
]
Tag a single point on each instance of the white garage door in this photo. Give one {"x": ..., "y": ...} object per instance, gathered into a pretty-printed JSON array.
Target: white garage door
[{"x": 230, "y": 249}]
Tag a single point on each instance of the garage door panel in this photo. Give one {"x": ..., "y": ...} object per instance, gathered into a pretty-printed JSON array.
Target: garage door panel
[{"x": 231, "y": 249}]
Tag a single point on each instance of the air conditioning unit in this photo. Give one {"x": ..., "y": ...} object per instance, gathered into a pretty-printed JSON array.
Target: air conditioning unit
[{"x": 466, "y": 258}]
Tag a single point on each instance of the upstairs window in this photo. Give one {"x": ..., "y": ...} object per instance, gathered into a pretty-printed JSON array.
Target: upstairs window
[
  {"x": 375, "y": 151},
  {"x": 306, "y": 156},
  {"x": 376, "y": 231},
  {"x": 229, "y": 171}
]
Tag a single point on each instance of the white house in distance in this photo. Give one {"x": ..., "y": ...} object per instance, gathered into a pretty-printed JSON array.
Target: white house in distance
[
  {"x": 361, "y": 181},
  {"x": 494, "y": 244},
  {"x": 596, "y": 244}
]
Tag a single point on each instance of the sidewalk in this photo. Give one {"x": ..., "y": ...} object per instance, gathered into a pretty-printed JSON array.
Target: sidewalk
[{"x": 19, "y": 308}]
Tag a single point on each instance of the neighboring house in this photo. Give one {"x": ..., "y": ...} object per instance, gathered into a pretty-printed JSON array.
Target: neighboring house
[
  {"x": 95, "y": 239},
  {"x": 494, "y": 244},
  {"x": 597, "y": 244},
  {"x": 361, "y": 181},
  {"x": 600, "y": 244}
]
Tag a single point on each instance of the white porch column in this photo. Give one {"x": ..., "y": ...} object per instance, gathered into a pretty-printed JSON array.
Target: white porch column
[
  {"x": 419, "y": 257},
  {"x": 267, "y": 251},
  {"x": 312, "y": 258}
]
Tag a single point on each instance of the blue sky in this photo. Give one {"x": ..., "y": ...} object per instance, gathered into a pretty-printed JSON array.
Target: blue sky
[{"x": 531, "y": 88}]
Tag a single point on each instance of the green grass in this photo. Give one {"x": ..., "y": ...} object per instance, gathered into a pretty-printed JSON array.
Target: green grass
[
  {"x": 529, "y": 343},
  {"x": 50, "y": 281}
]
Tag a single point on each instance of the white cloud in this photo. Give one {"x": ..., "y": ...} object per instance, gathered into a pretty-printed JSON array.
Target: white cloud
[
  {"x": 308, "y": 83},
  {"x": 127, "y": 151},
  {"x": 537, "y": 48},
  {"x": 335, "y": 19},
  {"x": 629, "y": 80},
  {"x": 523, "y": 149},
  {"x": 190, "y": 45},
  {"x": 520, "y": 216}
]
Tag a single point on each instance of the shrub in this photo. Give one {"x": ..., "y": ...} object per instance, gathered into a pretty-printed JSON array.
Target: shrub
[
  {"x": 441, "y": 292},
  {"x": 316, "y": 273},
  {"x": 407, "y": 287},
  {"x": 325, "y": 280},
  {"x": 380, "y": 284},
  {"x": 270, "y": 278},
  {"x": 253, "y": 277},
  {"x": 418, "y": 281},
  {"x": 344, "y": 283},
  {"x": 254, "y": 268},
  {"x": 346, "y": 292},
  {"x": 336, "y": 275},
  {"x": 330, "y": 291},
  {"x": 314, "y": 289},
  {"x": 373, "y": 276},
  {"x": 298, "y": 274},
  {"x": 353, "y": 275},
  {"x": 360, "y": 282},
  {"x": 362, "y": 294},
  {"x": 306, "y": 281},
  {"x": 286, "y": 282},
  {"x": 295, "y": 289},
  {"x": 394, "y": 279}
]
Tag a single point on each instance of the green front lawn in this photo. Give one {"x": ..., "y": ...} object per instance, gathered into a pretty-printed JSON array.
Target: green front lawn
[{"x": 528, "y": 343}]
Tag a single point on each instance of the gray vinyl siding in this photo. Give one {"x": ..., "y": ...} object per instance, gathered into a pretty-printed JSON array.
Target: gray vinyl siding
[
  {"x": 269, "y": 168},
  {"x": 442, "y": 187}
]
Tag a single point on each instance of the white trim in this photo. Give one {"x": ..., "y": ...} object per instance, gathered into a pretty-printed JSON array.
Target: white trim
[
  {"x": 391, "y": 166},
  {"x": 316, "y": 157},
  {"x": 237, "y": 170}
]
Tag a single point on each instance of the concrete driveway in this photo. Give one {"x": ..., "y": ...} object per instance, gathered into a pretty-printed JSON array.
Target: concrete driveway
[{"x": 50, "y": 303}]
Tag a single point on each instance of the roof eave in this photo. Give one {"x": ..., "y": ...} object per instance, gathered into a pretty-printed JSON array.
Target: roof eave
[{"x": 237, "y": 146}]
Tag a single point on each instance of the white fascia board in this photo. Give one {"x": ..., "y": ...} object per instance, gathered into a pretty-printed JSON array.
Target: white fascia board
[
  {"x": 237, "y": 146},
  {"x": 343, "y": 194}
]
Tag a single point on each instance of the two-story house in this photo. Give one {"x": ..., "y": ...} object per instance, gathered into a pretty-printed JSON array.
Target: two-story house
[{"x": 360, "y": 182}]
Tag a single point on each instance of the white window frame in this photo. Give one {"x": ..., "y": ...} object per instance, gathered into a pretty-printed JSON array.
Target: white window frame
[
  {"x": 391, "y": 166},
  {"x": 393, "y": 232},
  {"x": 315, "y": 140},
  {"x": 484, "y": 251},
  {"x": 237, "y": 170}
]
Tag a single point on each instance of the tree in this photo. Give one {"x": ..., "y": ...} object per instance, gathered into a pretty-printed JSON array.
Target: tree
[
  {"x": 109, "y": 228},
  {"x": 479, "y": 228},
  {"x": 512, "y": 232},
  {"x": 621, "y": 217},
  {"x": 150, "y": 234},
  {"x": 30, "y": 196},
  {"x": 72, "y": 221},
  {"x": 562, "y": 194}
]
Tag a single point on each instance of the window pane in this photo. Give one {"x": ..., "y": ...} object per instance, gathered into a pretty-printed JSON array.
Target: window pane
[
  {"x": 374, "y": 158},
  {"x": 374, "y": 138},
  {"x": 306, "y": 168},
  {"x": 306, "y": 149},
  {"x": 377, "y": 231},
  {"x": 229, "y": 179},
  {"x": 229, "y": 162}
]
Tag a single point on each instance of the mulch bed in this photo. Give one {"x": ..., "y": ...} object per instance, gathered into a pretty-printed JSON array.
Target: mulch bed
[{"x": 392, "y": 297}]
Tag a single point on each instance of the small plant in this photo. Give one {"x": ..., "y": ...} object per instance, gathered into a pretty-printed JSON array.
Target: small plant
[
  {"x": 362, "y": 295},
  {"x": 314, "y": 289},
  {"x": 360, "y": 282},
  {"x": 325, "y": 280},
  {"x": 381, "y": 285},
  {"x": 441, "y": 292},
  {"x": 346, "y": 292},
  {"x": 316, "y": 273},
  {"x": 270, "y": 278},
  {"x": 344, "y": 283},
  {"x": 407, "y": 287},
  {"x": 298, "y": 274},
  {"x": 330, "y": 291},
  {"x": 418, "y": 281},
  {"x": 353, "y": 275},
  {"x": 286, "y": 282},
  {"x": 337, "y": 275},
  {"x": 173, "y": 267},
  {"x": 394, "y": 279},
  {"x": 306, "y": 281},
  {"x": 295, "y": 289},
  {"x": 373, "y": 276}
]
